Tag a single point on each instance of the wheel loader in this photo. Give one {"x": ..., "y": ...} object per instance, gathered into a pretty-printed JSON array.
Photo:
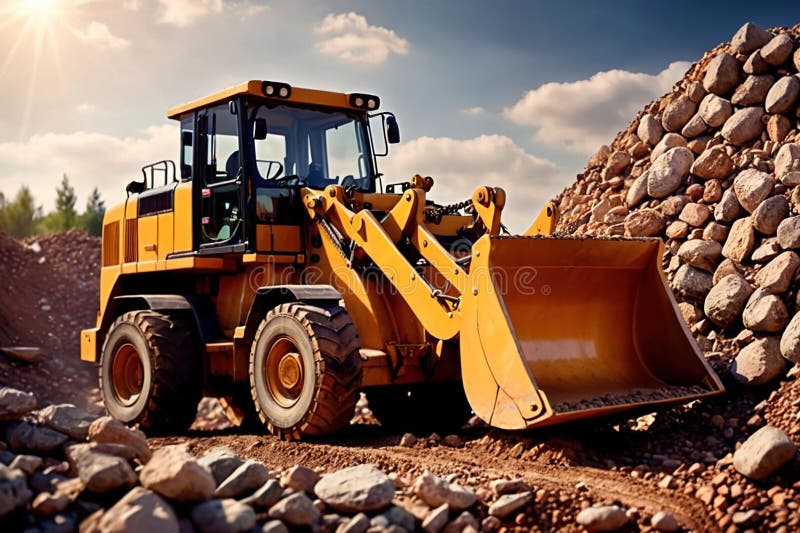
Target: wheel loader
[{"x": 274, "y": 267}]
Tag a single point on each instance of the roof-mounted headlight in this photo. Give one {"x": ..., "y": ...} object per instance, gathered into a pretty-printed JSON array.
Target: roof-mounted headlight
[
  {"x": 365, "y": 101},
  {"x": 276, "y": 89}
]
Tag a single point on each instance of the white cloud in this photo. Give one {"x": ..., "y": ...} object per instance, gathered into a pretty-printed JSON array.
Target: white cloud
[
  {"x": 473, "y": 111},
  {"x": 350, "y": 37},
  {"x": 132, "y": 5},
  {"x": 86, "y": 108},
  {"x": 459, "y": 166},
  {"x": 183, "y": 13},
  {"x": 246, "y": 9},
  {"x": 580, "y": 116},
  {"x": 97, "y": 34},
  {"x": 89, "y": 159}
]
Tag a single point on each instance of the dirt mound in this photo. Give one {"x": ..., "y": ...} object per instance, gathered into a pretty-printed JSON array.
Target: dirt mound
[{"x": 49, "y": 291}]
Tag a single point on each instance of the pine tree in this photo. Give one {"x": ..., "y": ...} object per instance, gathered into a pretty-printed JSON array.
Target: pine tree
[
  {"x": 92, "y": 218},
  {"x": 66, "y": 216},
  {"x": 20, "y": 217}
]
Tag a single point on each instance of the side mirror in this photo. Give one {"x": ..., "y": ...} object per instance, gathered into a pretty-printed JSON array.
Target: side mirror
[
  {"x": 260, "y": 129},
  {"x": 392, "y": 130}
]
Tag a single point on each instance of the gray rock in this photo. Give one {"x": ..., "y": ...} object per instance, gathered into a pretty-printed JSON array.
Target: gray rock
[
  {"x": 508, "y": 504},
  {"x": 678, "y": 113},
  {"x": 768, "y": 250},
  {"x": 755, "y": 64},
  {"x": 602, "y": 518},
  {"x": 249, "y": 476},
  {"x": 14, "y": 404},
  {"x": 744, "y": 126},
  {"x": 644, "y": 223},
  {"x": 668, "y": 172},
  {"x": 695, "y": 127},
  {"x": 464, "y": 522},
  {"x": 667, "y": 142},
  {"x": 223, "y": 516},
  {"x": 221, "y": 461},
  {"x": 664, "y": 521},
  {"x": 740, "y": 241},
  {"x": 787, "y": 160},
  {"x": 715, "y": 110},
  {"x": 764, "y": 453},
  {"x": 108, "y": 430},
  {"x": 266, "y": 496},
  {"x": 14, "y": 492},
  {"x": 692, "y": 283},
  {"x": 753, "y": 92},
  {"x": 695, "y": 91},
  {"x": 276, "y": 526},
  {"x": 100, "y": 472},
  {"x": 173, "y": 472},
  {"x": 759, "y": 362},
  {"x": 790, "y": 340},
  {"x": 727, "y": 299},
  {"x": 722, "y": 74},
  {"x": 356, "y": 489},
  {"x": 505, "y": 486},
  {"x": 700, "y": 253},
  {"x": 769, "y": 214},
  {"x": 778, "y": 49},
  {"x": 748, "y": 38},
  {"x": 300, "y": 478},
  {"x": 778, "y": 274},
  {"x": 22, "y": 436},
  {"x": 728, "y": 207},
  {"x": 27, "y": 463},
  {"x": 139, "y": 510},
  {"x": 650, "y": 130},
  {"x": 791, "y": 179},
  {"x": 68, "y": 419},
  {"x": 783, "y": 95},
  {"x": 435, "y": 491},
  {"x": 397, "y": 516},
  {"x": 296, "y": 510},
  {"x": 637, "y": 191},
  {"x": 789, "y": 233},
  {"x": 765, "y": 312},
  {"x": 752, "y": 187},
  {"x": 436, "y": 519}
]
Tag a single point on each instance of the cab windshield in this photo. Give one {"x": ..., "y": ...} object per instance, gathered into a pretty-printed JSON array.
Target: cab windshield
[{"x": 309, "y": 147}]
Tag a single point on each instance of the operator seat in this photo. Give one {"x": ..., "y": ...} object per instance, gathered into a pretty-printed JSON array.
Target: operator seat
[{"x": 316, "y": 179}]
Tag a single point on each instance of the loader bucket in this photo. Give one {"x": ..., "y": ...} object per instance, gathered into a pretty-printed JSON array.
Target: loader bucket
[{"x": 560, "y": 329}]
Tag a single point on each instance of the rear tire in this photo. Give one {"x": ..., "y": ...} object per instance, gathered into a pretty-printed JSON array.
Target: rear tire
[
  {"x": 305, "y": 370},
  {"x": 149, "y": 374},
  {"x": 440, "y": 407}
]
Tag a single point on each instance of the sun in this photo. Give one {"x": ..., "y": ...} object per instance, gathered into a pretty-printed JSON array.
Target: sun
[{"x": 38, "y": 8}]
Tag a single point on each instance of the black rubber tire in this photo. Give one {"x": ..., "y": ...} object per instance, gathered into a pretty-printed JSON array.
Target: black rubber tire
[
  {"x": 328, "y": 348},
  {"x": 429, "y": 407},
  {"x": 172, "y": 377}
]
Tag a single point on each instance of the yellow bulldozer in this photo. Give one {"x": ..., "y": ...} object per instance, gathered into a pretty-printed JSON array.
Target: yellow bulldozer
[{"x": 271, "y": 267}]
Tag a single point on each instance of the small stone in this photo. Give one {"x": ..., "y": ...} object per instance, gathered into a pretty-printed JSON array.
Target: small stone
[
  {"x": 453, "y": 441},
  {"x": 714, "y": 164},
  {"x": 221, "y": 461},
  {"x": 650, "y": 130},
  {"x": 715, "y": 232},
  {"x": 139, "y": 510},
  {"x": 637, "y": 191},
  {"x": 791, "y": 179},
  {"x": 722, "y": 74},
  {"x": 664, "y": 521},
  {"x": 436, "y": 519},
  {"x": 602, "y": 518},
  {"x": 673, "y": 205},
  {"x": 695, "y": 214},
  {"x": 695, "y": 91},
  {"x": 435, "y": 491},
  {"x": 728, "y": 207},
  {"x": 764, "y": 453},
  {"x": 276, "y": 526},
  {"x": 14, "y": 492},
  {"x": 759, "y": 362},
  {"x": 755, "y": 64},
  {"x": 106, "y": 429},
  {"x": 100, "y": 472},
  {"x": 753, "y": 92},
  {"x": 27, "y": 463},
  {"x": 678, "y": 113},
  {"x": 690, "y": 313},
  {"x": 790, "y": 340},
  {"x": 778, "y": 274},
  {"x": 300, "y": 478},
  {"x": 749, "y": 38},
  {"x": 265, "y": 497},
  {"x": 778, "y": 49},
  {"x": 727, "y": 299},
  {"x": 700, "y": 253},
  {"x": 789, "y": 233},
  {"x": 691, "y": 283},
  {"x": 696, "y": 126},
  {"x": 68, "y": 419},
  {"x": 223, "y": 516},
  {"x": 14, "y": 404},
  {"x": 668, "y": 172},
  {"x": 296, "y": 510},
  {"x": 464, "y": 522},
  {"x": 173, "y": 472},
  {"x": 765, "y": 312},
  {"x": 783, "y": 95},
  {"x": 399, "y": 517},
  {"x": 22, "y": 436},
  {"x": 787, "y": 160},
  {"x": 249, "y": 476},
  {"x": 752, "y": 187},
  {"x": 617, "y": 163},
  {"x": 505, "y": 486},
  {"x": 644, "y": 223},
  {"x": 743, "y": 126},
  {"x": 741, "y": 240},
  {"x": 778, "y": 127},
  {"x": 361, "y": 488},
  {"x": 599, "y": 158},
  {"x": 677, "y": 230},
  {"x": 769, "y": 214},
  {"x": 358, "y": 524},
  {"x": 408, "y": 440},
  {"x": 508, "y": 504},
  {"x": 715, "y": 110}
]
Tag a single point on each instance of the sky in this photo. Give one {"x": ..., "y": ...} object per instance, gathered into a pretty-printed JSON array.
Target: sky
[{"x": 516, "y": 94}]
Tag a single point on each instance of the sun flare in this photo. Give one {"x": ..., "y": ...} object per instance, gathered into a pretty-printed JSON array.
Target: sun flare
[{"x": 38, "y": 8}]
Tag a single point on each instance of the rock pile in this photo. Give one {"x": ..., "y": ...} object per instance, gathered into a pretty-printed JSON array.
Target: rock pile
[{"x": 713, "y": 168}]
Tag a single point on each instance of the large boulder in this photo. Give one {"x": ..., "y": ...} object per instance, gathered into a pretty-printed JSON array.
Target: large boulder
[
  {"x": 361, "y": 488},
  {"x": 650, "y": 130},
  {"x": 668, "y": 172},
  {"x": 727, "y": 299},
  {"x": 764, "y": 453},
  {"x": 782, "y": 96},
  {"x": 749, "y": 38},
  {"x": 759, "y": 362},
  {"x": 722, "y": 74},
  {"x": 100, "y": 472},
  {"x": 778, "y": 49},
  {"x": 678, "y": 113},
  {"x": 173, "y": 472},
  {"x": 715, "y": 110},
  {"x": 743, "y": 126},
  {"x": 109, "y": 430},
  {"x": 765, "y": 312},
  {"x": 753, "y": 92}
]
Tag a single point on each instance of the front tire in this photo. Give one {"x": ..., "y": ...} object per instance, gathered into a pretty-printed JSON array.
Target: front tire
[
  {"x": 149, "y": 375},
  {"x": 305, "y": 370}
]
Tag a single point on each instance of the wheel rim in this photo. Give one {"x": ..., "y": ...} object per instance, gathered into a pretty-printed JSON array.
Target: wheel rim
[
  {"x": 283, "y": 372},
  {"x": 127, "y": 375}
]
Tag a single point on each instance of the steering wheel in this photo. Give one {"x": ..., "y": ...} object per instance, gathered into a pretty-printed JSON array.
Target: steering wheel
[{"x": 269, "y": 174}]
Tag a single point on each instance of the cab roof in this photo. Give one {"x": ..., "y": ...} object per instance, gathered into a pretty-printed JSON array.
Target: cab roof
[{"x": 275, "y": 90}]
